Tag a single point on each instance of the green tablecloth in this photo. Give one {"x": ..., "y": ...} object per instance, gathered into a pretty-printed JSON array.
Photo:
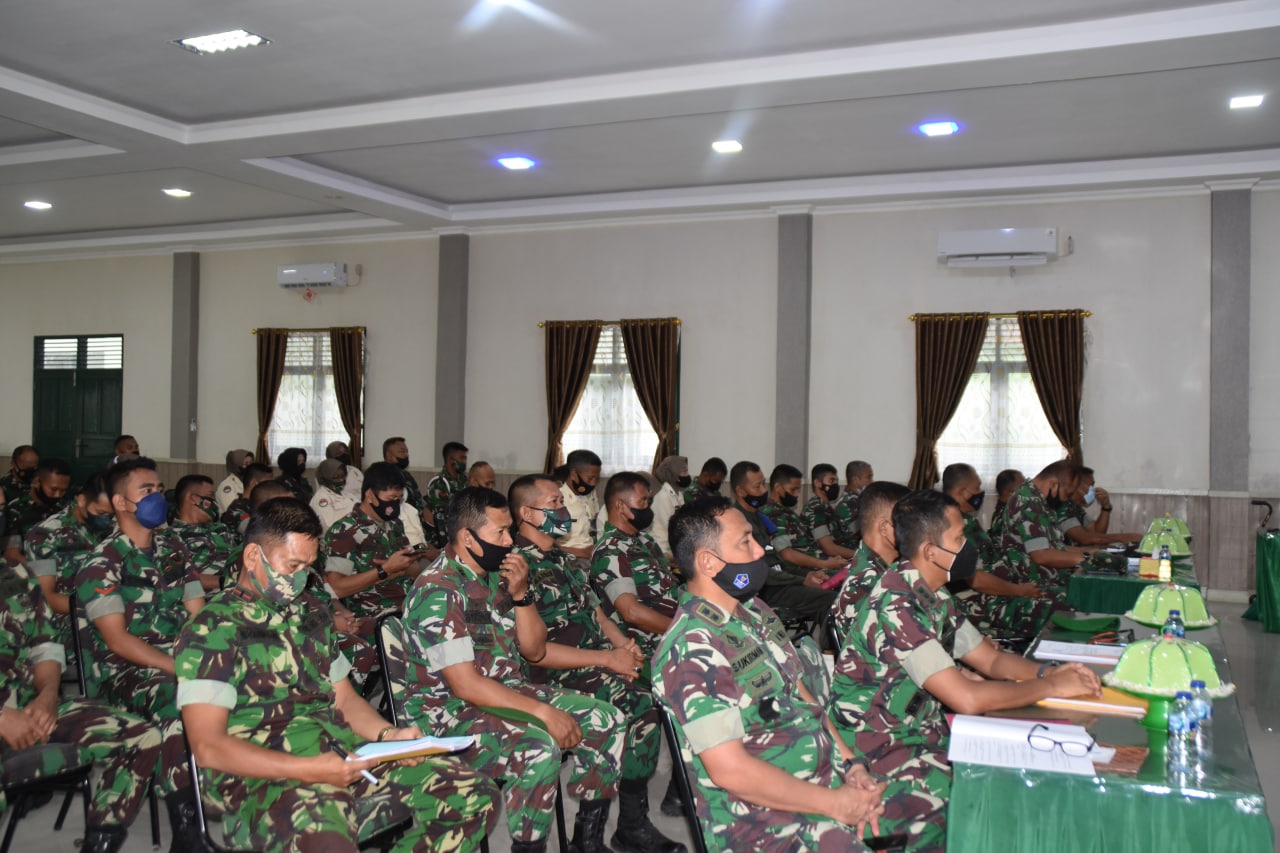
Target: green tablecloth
[
  {"x": 1268, "y": 567},
  {"x": 998, "y": 809},
  {"x": 1117, "y": 593}
]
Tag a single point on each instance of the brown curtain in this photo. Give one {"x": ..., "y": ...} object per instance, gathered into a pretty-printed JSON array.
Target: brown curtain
[
  {"x": 652, "y": 348},
  {"x": 947, "y": 348},
  {"x": 1054, "y": 341},
  {"x": 347, "y": 346},
  {"x": 571, "y": 347},
  {"x": 271, "y": 348}
]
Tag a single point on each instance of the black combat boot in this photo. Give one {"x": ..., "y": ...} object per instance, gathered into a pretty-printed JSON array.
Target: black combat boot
[
  {"x": 103, "y": 839},
  {"x": 539, "y": 846},
  {"x": 636, "y": 833},
  {"x": 588, "y": 827},
  {"x": 672, "y": 805},
  {"x": 182, "y": 823}
]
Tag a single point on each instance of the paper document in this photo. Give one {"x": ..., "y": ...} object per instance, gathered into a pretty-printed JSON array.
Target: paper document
[
  {"x": 1113, "y": 703},
  {"x": 998, "y": 742},
  {"x": 1081, "y": 652},
  {"x": 393, "y": 750}
]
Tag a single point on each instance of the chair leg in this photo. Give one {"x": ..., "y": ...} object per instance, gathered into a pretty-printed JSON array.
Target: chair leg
[
  {"x": 15, "y": 808},
  {"x": 66, "y": 807},
  {"x": 561, "y": 832},
  {"x": 155, "y": 815}
]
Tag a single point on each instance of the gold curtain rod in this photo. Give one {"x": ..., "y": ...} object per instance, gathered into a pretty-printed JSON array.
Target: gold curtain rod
[
  {"x": 652, "y": 321},
  {"x": 359, "y": 329},
  {"x": 1004, "y": 316}
]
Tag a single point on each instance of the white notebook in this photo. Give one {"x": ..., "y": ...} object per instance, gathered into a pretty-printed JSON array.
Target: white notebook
[
  {"x": 999, "y": 742},
  {"x": 1080, "y": 652}
]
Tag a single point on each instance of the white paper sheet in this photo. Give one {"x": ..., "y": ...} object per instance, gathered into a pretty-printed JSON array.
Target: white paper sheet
[
  {"x": 1081, "y": 652},
  {"x": 998, "y": 742}
]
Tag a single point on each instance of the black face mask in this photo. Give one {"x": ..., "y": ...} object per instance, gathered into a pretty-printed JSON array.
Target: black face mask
[
  {"x": 402, "y": 463},
  {"x": 641, "y": 518},
  {"x": 581, "y": 488},
  {"x": 743, "y": 580},
  {"x": 295, "y": 466},
  {"x": 45, "y": 498},
  {"x": 491, "y": 556},
  {"x": 345, "y": 458},
  {"x": 789, "y": 500},
  {"x": 388, "y": 510},
  {"x": 683, "y": 482},
  {"x": 24, "y": 475},
  {"x": 832, "y": 491},
  {"x": 976, "y": 501},
  {"x": 1054, "y": 502},
  {"x": 965, "y": 564},
  {"x": 756, "y": 501},
  {"x": 714, "y": 486}
]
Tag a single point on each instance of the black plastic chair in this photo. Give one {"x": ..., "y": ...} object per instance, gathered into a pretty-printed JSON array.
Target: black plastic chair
[
  {"x": 75, "y": 779},
  {"x": 683, "y": 788}
]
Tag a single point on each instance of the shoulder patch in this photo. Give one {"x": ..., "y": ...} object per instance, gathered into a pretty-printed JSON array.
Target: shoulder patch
[
  {"x": 324, "y": 502},
  {"x": 227, "y": 490},
  {"x": 709, "y": 612}
]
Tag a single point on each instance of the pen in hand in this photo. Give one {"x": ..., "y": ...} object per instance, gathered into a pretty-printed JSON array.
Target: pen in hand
[{"x": 369, "y": 777}]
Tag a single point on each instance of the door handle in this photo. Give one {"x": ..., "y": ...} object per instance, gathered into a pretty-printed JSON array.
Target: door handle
[{"x": 78, "y": 448}]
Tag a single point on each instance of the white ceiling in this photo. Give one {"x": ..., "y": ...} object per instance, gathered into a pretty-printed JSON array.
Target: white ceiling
[{"x": 386, "y": 116}]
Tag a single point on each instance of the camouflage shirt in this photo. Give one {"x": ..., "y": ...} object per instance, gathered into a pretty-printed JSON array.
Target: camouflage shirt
[
  {"x": 27, "y": 637},
  {"x": 1069, "y": 515},
  {"x": 237, "y": 515},
  {"x": 1029, "y": 526},
  {"x": 566, "y": 601},
  {"x": 300, "y": 486},
  {"x": 412, "y": 493},
  {"x": 821, "y": 517},
  {"x": 350, "y": 547},
  {"x": 455, "y": 616},
  {"x": 864, "y": 574},
  {"x": 148, "y": 587},
  {"x": 734, "y": 676},
  {"x": 623, "y": 563},
  {"x": 56, "y": 547},
  {"x": 990, "y": 554},
  {"x": 211, "y": 546},
  {"x": 270, "y": 666},
  {"x": 905, "y": 634},
  {"x": 793, "y": 531},
  {"x": 696, "y": 491},
  {"x": 849, "y": 532},
  {"x": 436, "y": 498},
  {"x": 24, "y": 513},
  {"x": 997, "y": 522},
  {"x": 13, "y": 487}
]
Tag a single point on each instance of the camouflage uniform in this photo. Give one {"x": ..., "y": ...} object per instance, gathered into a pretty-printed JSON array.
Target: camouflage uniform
[
  {"x": 1029, "y": 526},
  {"x": 793, "y": 531},
  {"x": 440, "y": 489},
  {"x": 13, "y": 487},
  {"x": 785, "y": 588},
  {"x": 1069, "y": 515},
  {"x": 453, "y": 616},
  {"x": 125, "y": 748},
  {"x": 148, "y": 588},
  {"x": 849, "y": 532},
  {"x": 568, "y": 604},
  {"x": 237, "y": 515},
  {"x": 997, "y": 522},
  {"x": 273, "y": 669},
  {"x": 24, "y": 513},
  {"x": 822, "y": 518},
  {"x": 56, "y": 547},
  {"x": 1000, "y": 614},
  {"x": 412, "y": 492},
  {"x": 350, "y": 547},
  {"x": 904, "y": 633},
  {"x": 696, "y": 491},
  {"x": 622, "y": 563},
  {"x": 300, "y": 486},
  {"x": 733, "y": 676},
  {"x": 864, "y": 574},
  {"x": 211, "y": 547}
]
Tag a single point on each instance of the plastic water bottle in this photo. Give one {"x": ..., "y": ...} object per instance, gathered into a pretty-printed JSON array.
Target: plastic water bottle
[
  {"x": 1202, "y": 706},
  {"x": 1173, "y": 625},
  {"x": 1166, "y": 567},
  {"x": 1180, "y": 757}
]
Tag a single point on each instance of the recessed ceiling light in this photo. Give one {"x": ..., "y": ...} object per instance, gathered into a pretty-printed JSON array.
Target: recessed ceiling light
[
  {"x": 516, "y": 163},
  {"x": 726, "y": 146},
  {"x": 938, "y": 128},
  {"x": 1245, "y": 102},
  {"x": 177, "y": 192},
  {"x": 218, "y": 42},
  {"x": 37, "y": 205}
]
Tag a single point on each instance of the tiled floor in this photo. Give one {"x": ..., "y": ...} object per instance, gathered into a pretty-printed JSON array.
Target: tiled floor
[{"x": 1255, "y": 666}]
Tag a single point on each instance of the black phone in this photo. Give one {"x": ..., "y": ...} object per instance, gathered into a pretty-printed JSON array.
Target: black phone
[{"x": 891, "y": 843}]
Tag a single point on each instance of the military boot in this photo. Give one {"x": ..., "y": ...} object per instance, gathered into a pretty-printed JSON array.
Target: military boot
[
  {"x": 672, "y": 805},
  {"x": 103, "y": 839},
  {"x": 182, "y": 823},
  {"x": 588, "y": 827},
  {"x": 636, "y": 833},
  {"x": 539, "y": 846}
]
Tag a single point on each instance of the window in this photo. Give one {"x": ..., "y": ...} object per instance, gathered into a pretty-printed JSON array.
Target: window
[
  {"x": 609, "y": 419},
  {"x": 1000, "y": 423},
  {"x": 306, "y": 413}
]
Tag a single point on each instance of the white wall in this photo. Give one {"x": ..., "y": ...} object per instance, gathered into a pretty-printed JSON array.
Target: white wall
[
  {"x": 395, "y": 300},
  {"x": 718, "y": 277},
  {"x": 1264, "y": 346},
  {"x": 130, "y": 296},
  {"x": 1140, "y": 265}
]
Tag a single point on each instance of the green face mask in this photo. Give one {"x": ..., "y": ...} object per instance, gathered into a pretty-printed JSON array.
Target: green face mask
[
  {"x": 210, "y": 508},
  {"x": 281, "y": 589}
]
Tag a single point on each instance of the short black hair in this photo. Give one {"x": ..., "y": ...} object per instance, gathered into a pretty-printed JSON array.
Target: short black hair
[
  {"x": 1006, "y": 478},
  {"x": 1063, "y": 469},
  {"x": 738, "y": 475},
  {"x": 453, "y": 447},
  {"x": 268, "y": 490},
  {"x": 187, "y": 483},
  {"x": 521, "y": 492},
  {"x": 856, "y": 468},
  {"x": 53, "y": 465},
  {"x": 715, "y": 465},
  {"x": 395, "y": 439},
  {"x": 878, "y": 499},
  {"x": 784, "y": 473},
  {"x": 560, "y": 473},
  {"x": 120, "y": 438},
  {"x": 257, "y": 472},
  {"x": 273, "y": 521},
  {"x": 21, "y": 449},
  {"x": 96, "y": 487},
  {"x": 955, "y": 474},
  {"x": 581, "y": 460},
  {"x": 920, "y": 517},
  {"x": 468, "y": 509},
  {"x": 118, "y": 474},
  {"x": 696, "y": 525},
  {"x": 623, "y": 483},
  {"x": 1086, "y": 471},
  {"x": 822, "y": 469},
  {"x": 381, "y": 476}
]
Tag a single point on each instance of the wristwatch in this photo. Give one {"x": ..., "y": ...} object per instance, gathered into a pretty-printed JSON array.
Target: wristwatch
[
  {"x": 1045, "y": 667},
  {"x": 523, "y": 602},
  {"x": 382, "y": 574}
]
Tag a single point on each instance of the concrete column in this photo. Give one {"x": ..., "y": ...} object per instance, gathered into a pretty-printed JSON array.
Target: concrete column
[
  {"x": 451, "y": 339},
  {"x": 185, "y": 359},
  {"x": 795, "y": 300}
]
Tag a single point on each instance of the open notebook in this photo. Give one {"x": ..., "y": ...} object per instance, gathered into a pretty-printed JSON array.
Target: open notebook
[
  {"x": 394, "y": 750},
  {"x": 999, "y": 742}
]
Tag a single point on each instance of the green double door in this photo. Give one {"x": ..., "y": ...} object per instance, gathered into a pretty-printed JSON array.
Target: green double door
[{"x": 78, "y": 395}]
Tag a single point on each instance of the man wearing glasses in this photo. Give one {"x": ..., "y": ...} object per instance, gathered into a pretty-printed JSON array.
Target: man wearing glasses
[{"x": 897, "y": 668}]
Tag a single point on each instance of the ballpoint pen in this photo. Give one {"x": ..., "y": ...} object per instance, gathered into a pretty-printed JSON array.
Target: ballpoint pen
[{"x": 373, "y": 780}]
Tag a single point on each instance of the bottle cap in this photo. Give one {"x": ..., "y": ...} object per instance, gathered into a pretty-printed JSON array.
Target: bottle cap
[
  {"x": 1182, "y": 694},
  {"x": 1175, "y": 613},
  {"x": 1197, "y": 685}
]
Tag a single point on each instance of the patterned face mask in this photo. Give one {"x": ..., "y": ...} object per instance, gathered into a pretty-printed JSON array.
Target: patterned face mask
[
  {"x": 555, "y": 522},
  {"x": 280, "y": 589}
]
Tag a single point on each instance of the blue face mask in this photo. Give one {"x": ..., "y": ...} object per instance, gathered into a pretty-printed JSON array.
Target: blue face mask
[
  {"x": 152, "y": 510},
  {"x": 1090, "y": 496},
  {"x": 99, "y": 525}
]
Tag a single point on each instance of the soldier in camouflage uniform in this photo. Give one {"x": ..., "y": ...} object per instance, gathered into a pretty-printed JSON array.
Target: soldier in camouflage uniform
[
  {"x": 22, "y": 469},
  {"x": 876, "y": 554},
  {"x": 1032, "y": 543},
  {"x": 794, "y": 542},
  {"x": 451, "y": 479},
  {"x": 821, "y": 513},
  {"x": 46, "y": 497},
  {"x": 708, "y": 482},
  {"x": 292, "y": 462},
  {"x": 125, "y": 747},
  {"x": 765, "y": 770},
  {"x": 470, "y": 626},
  {"x": 237, "y": 513},
  {"x": 210, "y": 543},
  {"x": 857, "y": 476},
  {"x": 588, "y": 652},
  {"x": 1072, "y": 519},
  {"x": 898, "y": 667},
  {"x": 56, "y": 547},
  {"x": 1006, "y": 482},
  {"x": 263, "y": 689}
]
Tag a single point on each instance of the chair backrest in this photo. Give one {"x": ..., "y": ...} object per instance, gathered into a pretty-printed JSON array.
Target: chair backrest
[
  {"x": 395, "y": 666},
  {"x": 833, "y": 637},
  {"x": 680, "y": 774},
  {"x": 78, "y": 644}
]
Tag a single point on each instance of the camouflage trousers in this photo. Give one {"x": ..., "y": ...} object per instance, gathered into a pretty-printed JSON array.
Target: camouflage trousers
[
  {"x": 816, "y": 676},
  {"x": 1006, "y": 615},
  {"x": 527, "y": 759},
  {"x": 151, "y": 694},
  {"x": 124, "y": 747},
  {"x": 452, "y": 807},
  {"x": 643, "y": 738},
  {"x": 919, "y": 780},
  {"x": 363, "y": 657}
]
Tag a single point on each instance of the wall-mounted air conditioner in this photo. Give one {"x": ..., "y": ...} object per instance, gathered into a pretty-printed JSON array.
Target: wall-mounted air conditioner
[
  {"x": 314, "y": 276},
  {"x": 998, "y": 247}
]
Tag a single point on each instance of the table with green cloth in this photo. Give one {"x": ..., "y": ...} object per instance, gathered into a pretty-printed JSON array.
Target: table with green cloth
[
  {"x": 996, "y": 808},
  {"x": 1103, "y": 593},
  {"x": 1268, "y": 568}
]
